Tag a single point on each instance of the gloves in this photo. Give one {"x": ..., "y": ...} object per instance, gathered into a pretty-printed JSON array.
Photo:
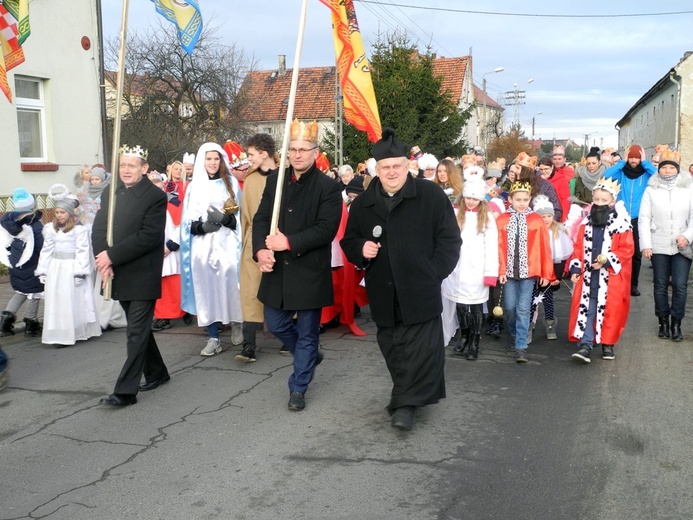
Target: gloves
[
  {"x": 214, "y": 215},
  {"x": 78, "y": 281},
  {"x": 42, "y": 279},
  {"x": 210, "y": 227}
]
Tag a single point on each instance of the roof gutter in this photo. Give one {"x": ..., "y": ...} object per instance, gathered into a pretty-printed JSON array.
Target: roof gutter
[{"x": 672, "y": 78}]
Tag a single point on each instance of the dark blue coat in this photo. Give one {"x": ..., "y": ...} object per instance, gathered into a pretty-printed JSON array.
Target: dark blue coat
[{"x": 22, "y": 278}]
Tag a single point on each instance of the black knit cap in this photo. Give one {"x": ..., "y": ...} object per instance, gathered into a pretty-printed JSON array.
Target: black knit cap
[
  {"x": 673, "y": 163},
  {"x": 389, "y": 147}
]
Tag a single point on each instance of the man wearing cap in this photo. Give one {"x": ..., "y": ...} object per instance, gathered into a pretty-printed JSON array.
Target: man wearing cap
[
  {"x": 295, "y": 262},
  {"x": 134, "y": 263},
  {"x": 404, "y": 233},
  {"x": 633, "y": 175}
]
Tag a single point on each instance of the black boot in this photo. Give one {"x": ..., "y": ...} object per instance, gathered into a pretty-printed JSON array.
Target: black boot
[
  {"x": 462, "y": 342},
  {"x": 7, "y": 320},
  {"x": 473, "y": 352},
  {"x": 676, "y": 333},
  {"x": 663, "y": 327},
  {"x": 33, "y": 327}
]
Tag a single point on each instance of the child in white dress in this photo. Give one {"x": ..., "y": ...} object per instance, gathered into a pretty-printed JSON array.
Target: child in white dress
[{"x": 65, "y": 267}]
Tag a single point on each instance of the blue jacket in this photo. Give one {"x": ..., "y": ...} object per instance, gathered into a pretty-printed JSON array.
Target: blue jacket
[
  {"x": 22, "y": 278},
  {"x": 632, "y": 190}
]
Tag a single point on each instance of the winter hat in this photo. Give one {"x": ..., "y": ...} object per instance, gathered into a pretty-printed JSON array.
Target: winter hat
[
  {"x": 23, "y": 200},
  {"x": 63, "y": 199},
  {"x": 428, "y": 161},
  {"x": 542, "y": 205},
  {"x": 474, "y": 188},
  {"x": 634, "y": 152},
  {"x": 472, "y": 172},
  {"x": 388, "y": 146},
  {"x": 355, "y": 186},
  {"x": 672, "y": 157},
  {"x": 99, "y": 172}
]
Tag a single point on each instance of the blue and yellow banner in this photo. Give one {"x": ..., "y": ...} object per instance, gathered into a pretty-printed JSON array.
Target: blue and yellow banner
[{"x": 187, "y": 18}]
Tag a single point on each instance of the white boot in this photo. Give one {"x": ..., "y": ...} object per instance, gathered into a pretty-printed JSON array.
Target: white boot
[{"x": 551, "y": 328}]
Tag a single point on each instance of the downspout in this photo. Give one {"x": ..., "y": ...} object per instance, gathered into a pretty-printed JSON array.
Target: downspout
[
  {"x": 672, "y": 74},
  {"x": 102, "y": 87}
]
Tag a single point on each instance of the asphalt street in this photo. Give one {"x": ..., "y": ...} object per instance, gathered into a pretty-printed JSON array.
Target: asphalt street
[{"x": 547, "y": 440}]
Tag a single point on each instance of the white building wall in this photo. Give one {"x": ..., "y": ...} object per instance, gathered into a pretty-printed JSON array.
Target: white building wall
[
  {"x": 685, "y": 71},
  {"x": 53, "y": 52}
]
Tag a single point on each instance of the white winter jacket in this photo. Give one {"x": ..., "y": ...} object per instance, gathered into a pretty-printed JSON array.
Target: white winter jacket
[{"x": 665, "y": 213}]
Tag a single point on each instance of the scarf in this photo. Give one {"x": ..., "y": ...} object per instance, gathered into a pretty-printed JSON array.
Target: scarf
[
  {"x": 590, "y": 179},
  {"x": 633, "y": 173},
  {"x": 668, "y": 182},
  {"x": 95, "y": 190},
  {"x": 517, "y": 230}
]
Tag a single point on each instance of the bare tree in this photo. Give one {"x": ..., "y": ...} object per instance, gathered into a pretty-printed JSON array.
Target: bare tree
[{"x": 173, "y": 102}]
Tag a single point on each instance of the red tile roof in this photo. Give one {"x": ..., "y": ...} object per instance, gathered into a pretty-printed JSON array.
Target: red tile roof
[
  {"x": 265, "y": 95},
  {"x": 452, "y": 72},
  {"x": 479, "y": 97}
]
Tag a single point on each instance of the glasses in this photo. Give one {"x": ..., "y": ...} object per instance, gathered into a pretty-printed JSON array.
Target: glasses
[{"x": 301, "y": 151}]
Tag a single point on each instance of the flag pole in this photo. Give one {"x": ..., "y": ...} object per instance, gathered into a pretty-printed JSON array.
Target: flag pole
[
  {"x": 289, "y": 118},
  {"x": 120, "y": 79}
]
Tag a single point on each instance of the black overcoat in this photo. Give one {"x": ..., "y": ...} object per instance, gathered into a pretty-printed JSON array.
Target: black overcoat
[
  {"x": 309, "y": 216},
  {"x": 137, "y": 253},
  {"x": 420, "y": 246}
]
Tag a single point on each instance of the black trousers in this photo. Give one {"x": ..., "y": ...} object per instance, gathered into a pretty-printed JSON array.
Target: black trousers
[
  {"x": 637, "y": 256},
  {"x": 143, "y": 352}
]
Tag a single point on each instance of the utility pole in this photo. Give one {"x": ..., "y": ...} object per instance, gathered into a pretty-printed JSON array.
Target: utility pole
[
  {"x": 339, "y": 118},
  {"x": 516, "y": 98}
]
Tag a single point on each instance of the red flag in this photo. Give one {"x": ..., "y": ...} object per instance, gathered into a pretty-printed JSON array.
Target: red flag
[{"x": 360, "y": 107}]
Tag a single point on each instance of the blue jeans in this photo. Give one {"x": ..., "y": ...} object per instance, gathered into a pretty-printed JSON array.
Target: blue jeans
[
  {"x": 300, "y": 338},
  {"x": 3, "y": 360},
  {"x": 517, "y": 304},
  {"x": 677, "y": 267},
  {"x": 590, "y": 333}
]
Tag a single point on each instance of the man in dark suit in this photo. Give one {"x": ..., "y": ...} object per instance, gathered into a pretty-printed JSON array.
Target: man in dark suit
[
  {"x": 295, "y": 262},
  {"x": 403, "y": 231},
  {"x": 134, "y": 264}
]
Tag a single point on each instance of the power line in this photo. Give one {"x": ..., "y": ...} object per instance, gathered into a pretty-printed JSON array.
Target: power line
[{"x": 531, "y": 15}]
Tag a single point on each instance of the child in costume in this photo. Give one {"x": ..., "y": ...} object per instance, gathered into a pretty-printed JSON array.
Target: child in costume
[
  {"x": 20, "y": 246},
  {"x": 561, "y": 250},
  {"x": 524, "y": 256},
  {"x": 467, "y": 287},
  {"x": 65, "y": 267},
  {"x": 601, "y": 270}
]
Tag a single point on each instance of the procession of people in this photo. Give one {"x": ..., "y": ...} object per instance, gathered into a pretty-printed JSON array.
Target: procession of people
[{"x": 436, "y": 247}]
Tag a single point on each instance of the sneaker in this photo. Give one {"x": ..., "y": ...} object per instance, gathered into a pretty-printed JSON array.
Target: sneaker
[
  {"x": 160, "y": 325},
  {"x": 608, "y": 352},
  {"x": 521, "y": 355},
  {"x": 236, "y": 334},
  {"x": 297, "y": 401},
  {"x": 582, "y": 354},
  {"x": 212, "y": 347},
  {"x": 247, "y": 354},
  {"x": 285, "y": 351}
]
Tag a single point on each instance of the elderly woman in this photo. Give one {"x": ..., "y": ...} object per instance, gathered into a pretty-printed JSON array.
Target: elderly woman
[
  {"x": 665, "y": 226},
  {"x": 211, "y": 247},
  {"x": 588, "y": 174}
]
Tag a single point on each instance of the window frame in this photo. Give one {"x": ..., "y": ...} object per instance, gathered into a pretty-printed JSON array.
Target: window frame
[{"x": 34, "y": 105}]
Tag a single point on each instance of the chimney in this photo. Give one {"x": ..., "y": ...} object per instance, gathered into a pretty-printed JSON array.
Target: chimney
[{"x": 282, "y": 65}]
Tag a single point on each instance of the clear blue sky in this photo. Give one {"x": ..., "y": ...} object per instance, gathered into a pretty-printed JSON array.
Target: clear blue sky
[{"x": 588, "y": 68}]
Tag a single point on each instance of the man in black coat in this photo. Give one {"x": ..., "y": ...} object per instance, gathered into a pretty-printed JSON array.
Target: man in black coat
[
  {"x": 295, "y": 262},
  {"x": 403, "y": 231},
  {"x": 134, "y": 264}
]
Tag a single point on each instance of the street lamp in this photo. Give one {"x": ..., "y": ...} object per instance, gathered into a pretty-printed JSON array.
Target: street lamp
[
  {"x": 535, "y": 115},
  {"x": 483, "y": 82}
]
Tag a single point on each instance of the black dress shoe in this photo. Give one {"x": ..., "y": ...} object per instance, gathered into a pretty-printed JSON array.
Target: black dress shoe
[
  {"x": 297, "y": 401},
  {"x": 155, "y": 384},
  {"x": 634, "y": 292},
  {"x": 403, "y": 418},
  {"x": 119, "y": 400}
]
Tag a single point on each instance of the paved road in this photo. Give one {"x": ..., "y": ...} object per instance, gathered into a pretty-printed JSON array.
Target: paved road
[{"x": 546, "y": 440}]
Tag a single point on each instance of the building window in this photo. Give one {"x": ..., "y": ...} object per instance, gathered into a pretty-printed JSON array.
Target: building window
[{"x": 31, "y": 118}]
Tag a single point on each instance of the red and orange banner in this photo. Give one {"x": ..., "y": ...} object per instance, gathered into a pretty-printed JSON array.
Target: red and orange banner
[{"x": 360, "y": 107}]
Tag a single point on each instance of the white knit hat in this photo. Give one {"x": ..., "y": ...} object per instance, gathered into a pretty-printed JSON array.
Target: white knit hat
[
  {"x": 474, "y": 188},
  {"x": 427, "y": 161},
  {"x": 542, "y": 205},
  {"x": 473, "y": 172}
]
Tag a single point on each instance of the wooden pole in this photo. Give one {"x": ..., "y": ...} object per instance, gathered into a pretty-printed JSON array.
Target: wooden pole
[
  {"x": 120, "y": 78},
  {"x": 289, "y": 118}
]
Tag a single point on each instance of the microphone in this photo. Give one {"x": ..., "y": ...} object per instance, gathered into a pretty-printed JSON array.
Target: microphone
[{"x": 377, "y": 233}]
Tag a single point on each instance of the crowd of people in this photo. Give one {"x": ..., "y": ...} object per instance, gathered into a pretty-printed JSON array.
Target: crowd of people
[{"x": 443, "y": 252}]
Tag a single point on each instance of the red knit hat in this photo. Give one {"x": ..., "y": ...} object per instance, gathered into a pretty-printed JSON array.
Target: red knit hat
[{"x": 635, "y": 152}]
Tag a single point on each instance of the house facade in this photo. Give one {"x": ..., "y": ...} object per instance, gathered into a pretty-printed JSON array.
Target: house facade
[
  {"x": 664, "y": 114},
  {"x": 53, "y": 124}
]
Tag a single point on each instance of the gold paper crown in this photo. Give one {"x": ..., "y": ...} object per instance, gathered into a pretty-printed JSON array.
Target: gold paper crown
[
  {"x": 525, "y": 160},
  {"x": 520, "y": 186},
  {"x": 670, "y": 155},
  {"x": 468, "y": 159},
  {"x": 609, "y": 185},
  {"x": 134, "y": 151},
  {"x": 301, "y": 131},
  {"x": 498, "y": 164}
]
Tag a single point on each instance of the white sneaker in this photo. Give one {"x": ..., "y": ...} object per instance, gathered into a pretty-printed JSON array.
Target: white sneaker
[
  {"x": 236, "y": 333},
  {"x": 212, "y": 347}
]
